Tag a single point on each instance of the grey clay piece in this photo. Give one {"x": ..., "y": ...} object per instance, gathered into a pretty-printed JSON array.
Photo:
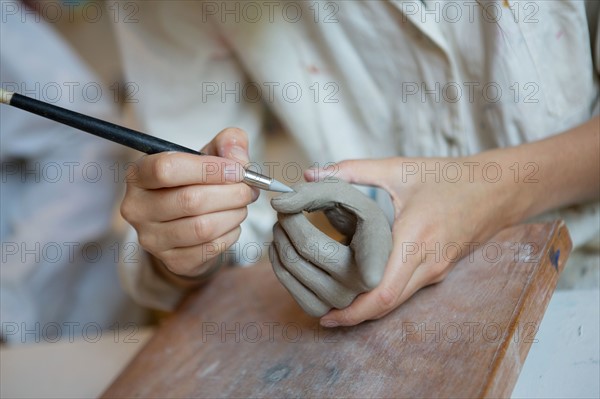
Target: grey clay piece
[{"x": 318, "y": 271}]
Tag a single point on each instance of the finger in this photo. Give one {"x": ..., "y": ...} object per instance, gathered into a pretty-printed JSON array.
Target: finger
[
  {"x": 372, "y": 246},
  {"x": 384, "y": 298},
  {"x": 326, "y": 173},
  {"x": 191, "y": 231},
  {"x": 422, "y": 277},
  {"x": 303, "y": 199},
  {"x": 372, "y": 241},
  {"x": 173, "y": 203},
  {"x": 370, "y": 172},
  {"x": 323, "y": 251},
  {"x": 308, "y": 301},
  {"x": 230, "y": 143},
  {"x": 320, "y": 283},
  {"x": 172, "y": 169},
  {"x": 331, "y": 194},
  {"x": 192, "y": 261}
]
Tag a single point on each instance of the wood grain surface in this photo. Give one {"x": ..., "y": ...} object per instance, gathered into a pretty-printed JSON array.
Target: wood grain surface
[{"x": 244, "y": 336}]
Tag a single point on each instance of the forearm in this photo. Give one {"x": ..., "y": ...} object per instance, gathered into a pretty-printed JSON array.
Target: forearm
[{"x": 551, "y": 173}]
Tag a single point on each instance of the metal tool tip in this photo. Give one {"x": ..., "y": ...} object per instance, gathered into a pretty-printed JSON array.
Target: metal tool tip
[{"x": 280, "y": 187}]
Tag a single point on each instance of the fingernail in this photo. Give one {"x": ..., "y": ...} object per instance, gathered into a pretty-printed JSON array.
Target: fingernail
[
  {"x": 329, "y": 323},
  {"x": 239, "y": 154},
  {"x": 313, "y": 174},
  {"x": 255, "y": 194}
]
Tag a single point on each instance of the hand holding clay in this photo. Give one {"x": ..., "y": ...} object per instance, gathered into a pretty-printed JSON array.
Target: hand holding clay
[
  {"x": 436, "y": 222},
  {"x": 318, "y": 271}
]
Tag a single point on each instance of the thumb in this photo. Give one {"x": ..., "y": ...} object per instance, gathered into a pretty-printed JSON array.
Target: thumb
[
  {"x": 231, "y": 143},
  {"x": 369, "y": 172}
]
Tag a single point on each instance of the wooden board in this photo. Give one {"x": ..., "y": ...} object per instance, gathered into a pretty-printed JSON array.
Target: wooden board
[{"x": 244, "y": 336}]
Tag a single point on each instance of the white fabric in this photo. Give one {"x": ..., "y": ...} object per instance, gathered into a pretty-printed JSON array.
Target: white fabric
[
  {"x": 369, "y": 57},
  {"x": 56, "y": 213},
  {"x": 144, "y": 284}
]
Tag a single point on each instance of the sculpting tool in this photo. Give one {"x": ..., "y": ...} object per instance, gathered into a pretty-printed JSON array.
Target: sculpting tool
[{"x": 131, "y": 138}]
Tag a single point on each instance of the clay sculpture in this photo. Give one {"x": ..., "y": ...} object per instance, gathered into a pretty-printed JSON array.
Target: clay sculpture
[{"x": 318, "y": 271}]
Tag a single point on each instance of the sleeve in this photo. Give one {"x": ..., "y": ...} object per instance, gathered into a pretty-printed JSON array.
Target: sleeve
[
  {"x": 190, "y": 88},
  {"x": 582, "y": 219},
  {"x": 141, "y": 281}
]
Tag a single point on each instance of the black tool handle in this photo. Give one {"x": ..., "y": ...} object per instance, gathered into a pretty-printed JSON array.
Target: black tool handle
[{"x": 119, "y": 134}]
